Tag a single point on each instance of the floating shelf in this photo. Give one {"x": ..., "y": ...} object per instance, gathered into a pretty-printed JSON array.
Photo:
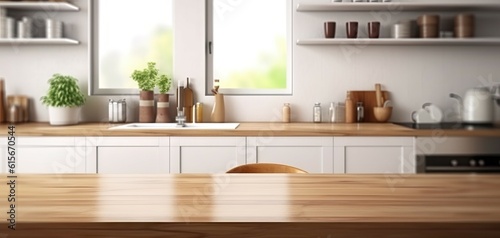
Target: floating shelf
[
  {"x": 44, "y": 6},
  {"x": 39, "y": 41},
  {"x": 398, "y": 6},
  {"x": 415, "y": 41}
]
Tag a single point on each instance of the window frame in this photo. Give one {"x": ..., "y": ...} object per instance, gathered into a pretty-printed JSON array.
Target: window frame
[
  {"x": 247, "y": 91},
  {"x": 94, "y": 88}
]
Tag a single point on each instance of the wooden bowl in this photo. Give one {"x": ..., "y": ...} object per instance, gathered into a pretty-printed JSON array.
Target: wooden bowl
[{"x": 382, "y": 114}]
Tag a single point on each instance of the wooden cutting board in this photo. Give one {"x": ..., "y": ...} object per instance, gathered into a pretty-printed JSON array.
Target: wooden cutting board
[
  {"x": 188, "y": 102},
  {"x": 369, "y": 99}
]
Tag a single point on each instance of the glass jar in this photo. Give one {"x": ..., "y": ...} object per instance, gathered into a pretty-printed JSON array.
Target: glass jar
[
  {"x": 317, "y": 113},
  {"x": 337, "y": 112},
  {"x": 360, "y": 112}
]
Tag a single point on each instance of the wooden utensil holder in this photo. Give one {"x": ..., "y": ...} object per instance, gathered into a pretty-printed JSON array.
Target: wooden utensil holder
[{"x": 369, "y": 100}]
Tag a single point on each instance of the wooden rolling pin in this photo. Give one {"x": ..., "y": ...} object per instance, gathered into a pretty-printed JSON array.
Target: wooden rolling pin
[{"x": 378, "y": 91}]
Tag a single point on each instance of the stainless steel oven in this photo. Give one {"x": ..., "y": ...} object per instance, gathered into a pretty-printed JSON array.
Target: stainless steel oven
[{"x": 458, "y": 154}]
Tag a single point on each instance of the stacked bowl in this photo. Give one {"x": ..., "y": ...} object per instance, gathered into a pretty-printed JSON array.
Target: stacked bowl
[
  {"x": 53, "y": 29},
  {"x": 464, "y": 25},
  {"x": 428, "y": 26},
  {"x": 403, "y": 29}
]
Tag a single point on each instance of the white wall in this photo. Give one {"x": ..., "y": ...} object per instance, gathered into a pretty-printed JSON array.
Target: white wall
[{"x": 413, "y": 74}]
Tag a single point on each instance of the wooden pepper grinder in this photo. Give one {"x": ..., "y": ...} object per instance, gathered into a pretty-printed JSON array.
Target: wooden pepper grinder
[{"x": 350, "y": 109}]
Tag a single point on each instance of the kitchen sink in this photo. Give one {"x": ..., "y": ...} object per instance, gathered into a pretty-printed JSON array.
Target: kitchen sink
[{"x": 173, "y": 126}]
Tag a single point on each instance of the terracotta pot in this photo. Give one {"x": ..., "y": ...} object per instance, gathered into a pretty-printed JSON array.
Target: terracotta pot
[
  {"x": 147, "y": 107},
  {"x": 162, "y": 108}
]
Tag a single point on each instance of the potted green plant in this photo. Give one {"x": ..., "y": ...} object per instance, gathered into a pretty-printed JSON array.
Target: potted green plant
[
  {"x": 164, "y": 83},
  {"x": 146, "y": 80},
  {"x": 64, "y": 99}
]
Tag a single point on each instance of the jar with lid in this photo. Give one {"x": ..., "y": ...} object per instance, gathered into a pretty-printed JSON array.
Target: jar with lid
[
  {"x": 286, "y": 113},
  {"x": 117, "y": 111},
  {"x": 317, "y": 113},
  {"x": 15, "y": 114},
  {"x": 198, "y": 112},
  {"x": 337, "y": 112},
  {"x": 360, "y": 112}
]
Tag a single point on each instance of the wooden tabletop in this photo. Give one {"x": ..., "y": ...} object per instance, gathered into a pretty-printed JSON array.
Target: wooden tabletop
[
  {"x": 81, "y": 203},
  {"x": 255, "y": 198},
  {"x": 245, "y": 129}
]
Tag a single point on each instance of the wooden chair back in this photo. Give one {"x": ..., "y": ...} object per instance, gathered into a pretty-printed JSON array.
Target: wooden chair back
[{"x": 266, "y": 168}]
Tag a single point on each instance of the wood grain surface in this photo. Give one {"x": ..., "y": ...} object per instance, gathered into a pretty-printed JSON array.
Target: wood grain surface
[
  {"x": 237, "y": 205},
  {"x": 245, "y": 129},
  {"x": 253, "y": 205}
]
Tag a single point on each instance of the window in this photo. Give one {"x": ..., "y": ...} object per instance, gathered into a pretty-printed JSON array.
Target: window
[
  {"x": 249, "y": 48},
  {"x": 125, "y": 35}
]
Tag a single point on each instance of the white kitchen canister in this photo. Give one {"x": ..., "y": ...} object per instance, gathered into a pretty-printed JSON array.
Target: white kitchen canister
[{"x": 53, "y": 29}]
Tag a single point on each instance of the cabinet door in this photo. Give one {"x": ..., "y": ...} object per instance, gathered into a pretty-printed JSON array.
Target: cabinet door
[
  {"x": 54, "y": 155},
  {"x": 129, "y": 155},
  {"x": 206, "y": 154},
  {"x": 374, "y": 155},
  {"x": 312, "y": 154}
]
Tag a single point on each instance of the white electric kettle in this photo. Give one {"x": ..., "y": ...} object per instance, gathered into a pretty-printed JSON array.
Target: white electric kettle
[{"x": 477, "y": 105}]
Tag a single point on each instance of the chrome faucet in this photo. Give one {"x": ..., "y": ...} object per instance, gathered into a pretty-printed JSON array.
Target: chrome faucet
[{"x": 181, "y": 117}]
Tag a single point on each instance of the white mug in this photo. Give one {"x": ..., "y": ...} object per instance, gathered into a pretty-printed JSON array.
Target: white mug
[
  {"x": 421, "y": 116},
  {"x": 434, "y": 111}
]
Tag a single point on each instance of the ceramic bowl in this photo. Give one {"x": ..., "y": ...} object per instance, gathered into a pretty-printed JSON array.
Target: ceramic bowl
[{"x": 382, "y": 114}]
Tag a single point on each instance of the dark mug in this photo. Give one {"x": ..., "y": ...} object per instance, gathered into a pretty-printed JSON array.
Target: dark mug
[
  {"x": 352, "y": 29},
  {"x": 374, "y": 29},
  {"x": 330, "y": 27}
]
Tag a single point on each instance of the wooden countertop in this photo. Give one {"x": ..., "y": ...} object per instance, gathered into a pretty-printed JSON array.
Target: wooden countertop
[
  {"x": 445, "y": 203},
  {"x": 245, "y": 129}
]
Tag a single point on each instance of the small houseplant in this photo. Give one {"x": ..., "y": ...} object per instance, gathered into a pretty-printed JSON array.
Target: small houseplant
[
  {"x": 64, "y": 99},
  {"x": 146, "y": 80},
  {"x": 164, "y": 83}
]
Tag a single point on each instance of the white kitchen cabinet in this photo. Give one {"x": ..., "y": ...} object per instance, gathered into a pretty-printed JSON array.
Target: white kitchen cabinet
[
  {"x": 374, "y": 155},
  {"x": 312, "y": 154},
  {"x": 128, "y": 155},
  {"x": 206, "y": 154},
  {"x": 54, "y": 155}
]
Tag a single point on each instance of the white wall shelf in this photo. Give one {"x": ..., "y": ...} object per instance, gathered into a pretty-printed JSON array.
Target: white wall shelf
[
  {"x": 414, "y": 41},
  {"x": 44, "y": 6},
  {"x": 39, "y": 41},
  {"x": 398, "y": 6}
]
